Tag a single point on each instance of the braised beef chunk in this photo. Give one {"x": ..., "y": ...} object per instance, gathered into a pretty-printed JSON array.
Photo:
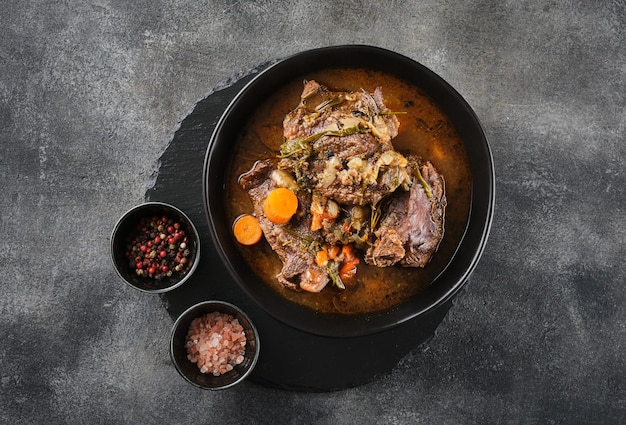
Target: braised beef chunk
[
  {"x": 299, "y": 270},
  {"x": 334, "y": 142},
  {"x": 321, "y": 109},
  {"x": 354, "y": 190},
  {"x": 412, "y": 225}
]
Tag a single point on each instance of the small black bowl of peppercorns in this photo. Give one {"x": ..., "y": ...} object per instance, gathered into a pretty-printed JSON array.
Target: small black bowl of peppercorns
[{"x": 155, "y": 247}]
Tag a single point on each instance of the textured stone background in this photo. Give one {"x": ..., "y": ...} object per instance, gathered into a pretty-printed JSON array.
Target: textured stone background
[{"x": 90, "y": 95}]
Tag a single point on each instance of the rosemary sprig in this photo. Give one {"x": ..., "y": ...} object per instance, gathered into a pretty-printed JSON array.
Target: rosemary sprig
[
  {"x": 303, "y": 145},
  {"x": 310, "y": 243},
  {"x": 332, "y": 270}
]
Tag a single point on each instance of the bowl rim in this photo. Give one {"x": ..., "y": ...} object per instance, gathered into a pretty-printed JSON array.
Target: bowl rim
[
  {"x": 478, "y": 224},
  {"x": 134, "y": 210},
  {"x": 199, "y": 306}
]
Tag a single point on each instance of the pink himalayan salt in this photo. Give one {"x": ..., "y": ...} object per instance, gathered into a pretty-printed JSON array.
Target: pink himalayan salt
[{"x": 216, "y": 342}]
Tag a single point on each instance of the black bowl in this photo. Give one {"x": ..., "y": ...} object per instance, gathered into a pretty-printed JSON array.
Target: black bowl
[
  {"x": 189, "y": 370},
  {"x": 468, "y": 252},
  {"x": 128, "y": 223}
]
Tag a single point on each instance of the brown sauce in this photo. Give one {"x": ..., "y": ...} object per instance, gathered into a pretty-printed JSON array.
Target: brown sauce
[{"x": 424, "y": 131}]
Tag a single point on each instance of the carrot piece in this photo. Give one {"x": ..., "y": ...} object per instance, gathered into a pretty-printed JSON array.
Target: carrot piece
[
  {"x": 280, "y": 205},
  {"x": 316, "y": 222},
  {"x": 348, "y": 269},
  {"x": 321, "y": 258},
  {"x": 347, "y": 252},
  {"x": 247, "y": 230}
]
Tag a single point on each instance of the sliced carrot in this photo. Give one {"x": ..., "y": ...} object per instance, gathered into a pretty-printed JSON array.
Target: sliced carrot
[
  {"x": 247, "y": 230},
  {"x": 280, "y": 205}
]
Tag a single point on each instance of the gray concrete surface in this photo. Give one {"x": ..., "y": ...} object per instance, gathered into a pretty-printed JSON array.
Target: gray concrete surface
[{"x": 90, "y": 95}]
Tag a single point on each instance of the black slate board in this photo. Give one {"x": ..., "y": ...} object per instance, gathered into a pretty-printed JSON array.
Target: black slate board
[{"x": 289, "y": 359}]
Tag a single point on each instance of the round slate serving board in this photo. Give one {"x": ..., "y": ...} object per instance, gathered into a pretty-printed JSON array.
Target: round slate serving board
[{"x": 289, "y": 359}]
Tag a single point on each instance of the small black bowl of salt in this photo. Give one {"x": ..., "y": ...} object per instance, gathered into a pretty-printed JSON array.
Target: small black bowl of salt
[{"x": 214, "y": 345}]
